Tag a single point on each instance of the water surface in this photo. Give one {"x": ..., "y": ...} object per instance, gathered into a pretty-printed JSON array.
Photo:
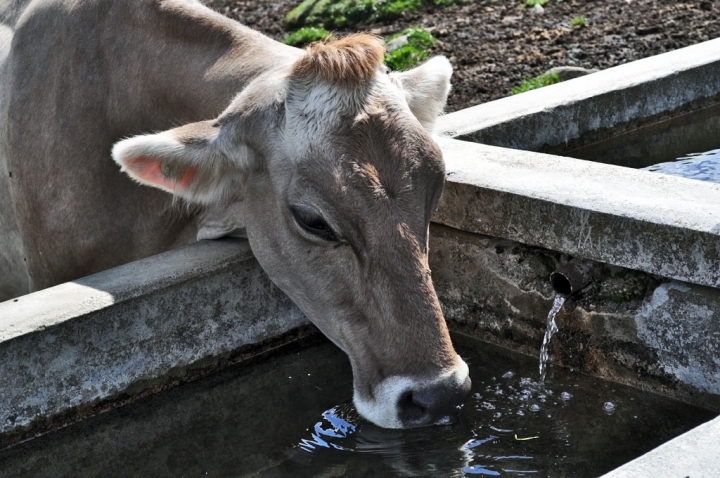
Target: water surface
[
  {"x": 703, "y": 166},
  {"x": 289, "y": 416},
  {"x": 686, "y": 146}
]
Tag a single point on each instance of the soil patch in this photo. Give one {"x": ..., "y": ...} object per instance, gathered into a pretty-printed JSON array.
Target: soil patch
[{"x": 495, "y": 44}]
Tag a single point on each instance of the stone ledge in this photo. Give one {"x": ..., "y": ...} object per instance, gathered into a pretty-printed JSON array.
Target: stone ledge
[
  {"x": 693, "y": 454},
  {"x": 629, "y": 218},
  {"x": 82, "y": 342},
  {"x": 612, "y": 100}
]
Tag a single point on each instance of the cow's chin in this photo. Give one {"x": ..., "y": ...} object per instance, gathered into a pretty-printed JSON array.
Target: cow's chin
[{"x": 388, "y": 409}]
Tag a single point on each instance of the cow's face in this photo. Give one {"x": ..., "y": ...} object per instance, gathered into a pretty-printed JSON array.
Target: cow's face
[{"x": 337, "y": 178}]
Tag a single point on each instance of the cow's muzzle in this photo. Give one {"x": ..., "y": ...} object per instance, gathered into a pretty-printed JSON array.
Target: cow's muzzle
[
  {"x": 408, "y": 402},
  {"x": 430, "y": 405}
]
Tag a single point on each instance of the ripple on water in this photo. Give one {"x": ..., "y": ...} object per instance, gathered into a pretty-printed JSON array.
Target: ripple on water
[
  {"x": 701, "y": 166},
  {"x": 496, "y": 434}
]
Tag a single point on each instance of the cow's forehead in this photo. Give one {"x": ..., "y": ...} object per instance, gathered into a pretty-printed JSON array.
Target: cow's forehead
[
  {"x": 382, "y": 156},
  {"x": 363, "y": 142},
  {"x": 316, "y": 110}
]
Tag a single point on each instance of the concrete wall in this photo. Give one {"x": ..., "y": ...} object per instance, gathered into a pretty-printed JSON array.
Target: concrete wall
[
  {"x": 627, "y": 326},
  {"x": 586, "y": 109},
  {"x": 639, "y": 220},
  {"x": 693, "y": 454},
  {"x": 132, "y": 329}
]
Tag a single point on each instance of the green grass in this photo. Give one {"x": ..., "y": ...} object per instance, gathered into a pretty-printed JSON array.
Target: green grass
[
  {"x": 400, "y": 59},
  {"x": 335, "y": 14},
  {"x": 305, "y": 35},
  {"x": 532, "y": 3},
  {"x": 414, "y": 52},
  {"x": 578, "y": 21},
  {"x": 537, "y": 82}
]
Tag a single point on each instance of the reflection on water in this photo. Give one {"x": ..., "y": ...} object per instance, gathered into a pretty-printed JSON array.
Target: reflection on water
[
  {"x": 267, "y": 420},
  {"x": 513, "y": 425},
  {"x": 701, "y": 166}
]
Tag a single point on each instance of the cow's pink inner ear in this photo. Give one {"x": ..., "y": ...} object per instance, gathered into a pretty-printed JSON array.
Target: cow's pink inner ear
[{"x": 162, "y": 173}]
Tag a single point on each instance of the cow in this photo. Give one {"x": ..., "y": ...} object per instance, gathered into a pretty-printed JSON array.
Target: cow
[{"x": 320, "y": 157}]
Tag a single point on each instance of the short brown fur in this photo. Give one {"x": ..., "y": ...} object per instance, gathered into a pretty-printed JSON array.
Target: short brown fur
[{"x": 352, "y": 59}]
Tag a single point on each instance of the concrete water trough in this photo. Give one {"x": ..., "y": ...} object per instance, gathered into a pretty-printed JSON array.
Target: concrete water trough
[{"x": 509, "y": 216}]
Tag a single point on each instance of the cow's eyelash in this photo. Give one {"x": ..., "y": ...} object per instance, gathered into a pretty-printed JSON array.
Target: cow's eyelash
[{"x": 312, "y": 222}]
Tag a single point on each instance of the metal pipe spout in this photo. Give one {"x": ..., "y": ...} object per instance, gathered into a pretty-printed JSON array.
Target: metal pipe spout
[{"x": 571, "y": 277}]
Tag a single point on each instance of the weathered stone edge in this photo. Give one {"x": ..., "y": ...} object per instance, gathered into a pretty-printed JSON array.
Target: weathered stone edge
[
  {"x": 635, "y": 219},
  {"x": 72, "y": 299},
  {"x": 623, "y": 95},
  {"x": 87, "y": 341},
  {"x": 694, "y": 453}
]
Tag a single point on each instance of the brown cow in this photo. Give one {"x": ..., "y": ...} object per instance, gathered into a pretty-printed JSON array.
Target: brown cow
[{"x": 320, "y": 158}]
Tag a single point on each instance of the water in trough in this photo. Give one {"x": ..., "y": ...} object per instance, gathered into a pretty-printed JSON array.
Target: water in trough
[
  {"x": 686, "y": 146},
  {"x": 289, "y": 414},
  {"x": 701, "y": 166}
]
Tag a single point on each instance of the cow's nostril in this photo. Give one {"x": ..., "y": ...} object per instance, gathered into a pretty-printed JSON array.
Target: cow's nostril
[
  {"x": 411, "y": 410},
  {"x": 427, "y": 406}
]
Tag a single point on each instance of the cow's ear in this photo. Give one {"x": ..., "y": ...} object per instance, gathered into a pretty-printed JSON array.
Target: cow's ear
[
  {"x": 194, "y": 161},
  {"x": 426, "y": 89}
]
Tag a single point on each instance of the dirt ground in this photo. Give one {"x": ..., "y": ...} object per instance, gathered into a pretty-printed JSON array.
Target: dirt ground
[{"x": 495, "y": 44}]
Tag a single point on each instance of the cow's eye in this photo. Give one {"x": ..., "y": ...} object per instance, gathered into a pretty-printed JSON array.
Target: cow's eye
[{"x": 311, "y": 221}]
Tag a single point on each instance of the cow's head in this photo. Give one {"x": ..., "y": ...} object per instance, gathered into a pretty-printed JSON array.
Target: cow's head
[{"x": 336, "y": 176}]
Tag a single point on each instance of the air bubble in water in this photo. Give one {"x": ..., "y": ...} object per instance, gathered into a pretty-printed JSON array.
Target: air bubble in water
[
  {"x": 509, "y": 375},
  {"x": 609, "y": 408},
  {"x": 534, "y": 407},
  {"x": 477, "y": 396},
  {"x": 521, "y": 413},
  {"x": 565, "y": 396}
]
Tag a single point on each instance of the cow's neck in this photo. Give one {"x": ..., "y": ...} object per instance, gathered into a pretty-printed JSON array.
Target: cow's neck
[{"x": 188, "y": 61}]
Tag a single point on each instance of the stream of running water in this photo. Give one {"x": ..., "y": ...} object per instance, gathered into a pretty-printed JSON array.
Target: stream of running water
[{"x": 549, "y": 332}]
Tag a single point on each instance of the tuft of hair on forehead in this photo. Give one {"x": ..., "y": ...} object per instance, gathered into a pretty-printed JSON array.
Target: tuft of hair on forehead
[{"x": 352, "y": 59}]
